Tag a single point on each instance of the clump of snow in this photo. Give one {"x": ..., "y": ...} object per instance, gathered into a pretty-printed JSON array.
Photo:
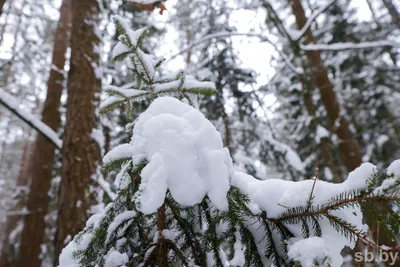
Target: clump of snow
[
  {"x": 238, "y": 258},
  {"x": 275, "y": 196},
  {"x": 170, "y": 234},
  {"x": 328, "y": 174},
  {"x": 189, "y": 84},
  {"x": 116, "y": 259},
  {"x": 382, "y": 139},
  {"x": 66, "y": 256},
  {"x": 291, "y": 156},
  {"x": 308, "y": 251},
  {"x": 98, "y": 136},
  {"x": 394, "y": 168},
  {"x": 118, "y": 220},
  {"x": 320, "y": 133},
  {"x": 119, "y": 152},
  {"x": 123, "y": 178},
  {"x": 185, "y": 155}
]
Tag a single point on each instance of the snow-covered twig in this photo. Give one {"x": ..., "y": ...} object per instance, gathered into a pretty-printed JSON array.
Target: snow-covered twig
[
  {"x": 230, "y": 34},
  {"x": 212, "y": 36},
  {"x": 11, "y": 104},
  {"x": 297, "y": 35},
  {"x": 144, "y": 2},
  {"x": 348, "y": 46},
  {"x": 106, "y": 187},
  {"x": 276, "y": 20}
]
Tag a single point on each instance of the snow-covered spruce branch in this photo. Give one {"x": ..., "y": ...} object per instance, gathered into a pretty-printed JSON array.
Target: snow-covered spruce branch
[
  {"x": 262, "y": 37},
  {"x": 298, "y": 34},
  {"x": 348, "y": 46},
  {"x": 324, "y": 210},
  {"x": 11, "y": 104},
  {"x": 176, "y": 168}
]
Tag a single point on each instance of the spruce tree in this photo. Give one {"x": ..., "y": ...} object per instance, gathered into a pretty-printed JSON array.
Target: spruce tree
[{"x": 180, "y": 203}]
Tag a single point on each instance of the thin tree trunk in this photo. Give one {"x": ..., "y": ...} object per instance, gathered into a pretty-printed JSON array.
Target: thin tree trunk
[
  {"x": 348, "y": 146},
  {"x": 42, "y": 158},
  {"x": 391, "y": 53},
  {"x": 328, "y": 160},
  {"x": 394, "y": 13},
  {"x": 162, "y": 255},
  {"x": 3, "y": 27},
  {"x": 324, "y": 145},
  {"x": 7, "y": 259},
  {"x": 2, "y": 2},
  {"x": 80, "y": 152},
  {"x": 21, "y": 181}
]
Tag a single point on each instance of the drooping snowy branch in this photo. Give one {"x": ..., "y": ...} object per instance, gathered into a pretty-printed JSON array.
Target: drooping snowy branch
[
  {"x": 214, "y": 36},
  {"x": 145, "y": 2},
  {"x": 11, "y": 104},
  {"x": 348, "y": 46},
  {"x": 297, "y": 35},
  {"x": 262, "y": 37},
  {"x": 276, "y": 20}
]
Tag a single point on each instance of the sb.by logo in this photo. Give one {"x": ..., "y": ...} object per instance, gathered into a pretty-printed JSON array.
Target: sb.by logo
[{"x": 381, "y": 257}]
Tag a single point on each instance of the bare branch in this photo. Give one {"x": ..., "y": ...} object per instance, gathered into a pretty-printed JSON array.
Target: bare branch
[
  {"x": 348, "y": 46},
  {"x": 9, "y": 102},
  {"x": 276, "y": 20},
  {"x": 262, "y": 37},
  {"x": 299, "y": 34}
]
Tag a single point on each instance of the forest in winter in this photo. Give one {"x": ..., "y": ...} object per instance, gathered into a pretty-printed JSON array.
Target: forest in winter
[{"x": 239, "y": 133}]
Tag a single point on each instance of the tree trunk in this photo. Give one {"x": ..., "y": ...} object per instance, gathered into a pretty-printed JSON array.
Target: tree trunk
[
  {"x": 394, "y": 13},
  {"x": 42, "y": 158},
  {"x": 80, "y": 152},
  {"x": 2, "y": 2},
  {"x": 328, "y": 159},
  {"x": 348, "y": 147}
]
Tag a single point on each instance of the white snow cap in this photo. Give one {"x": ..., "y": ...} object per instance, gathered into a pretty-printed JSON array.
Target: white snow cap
[
  {"x": 116, "y": 259},
  {"x": 274, "y": 196},
  {"x": 308, "y": 250},
  {"x": 185, "y": 155},
  {"x": 394, "y": 168}
]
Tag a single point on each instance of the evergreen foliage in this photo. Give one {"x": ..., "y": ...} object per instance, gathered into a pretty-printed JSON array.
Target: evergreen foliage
[{"x": 248, "y": 233}]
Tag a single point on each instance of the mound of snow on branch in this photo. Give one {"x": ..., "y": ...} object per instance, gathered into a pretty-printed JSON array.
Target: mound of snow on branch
[
  {"x": 275, "y": 196},
  {"x": 185, "y": 155}
]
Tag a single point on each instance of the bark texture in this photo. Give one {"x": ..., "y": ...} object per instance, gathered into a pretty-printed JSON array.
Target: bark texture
[
  {"x": 2, "y": 2},
  {"x": 348, "y": 146},
  {"x": 80, "y": 152},
  {"x": 42, "y": 157},
  {"x": 394, "y": 13}
]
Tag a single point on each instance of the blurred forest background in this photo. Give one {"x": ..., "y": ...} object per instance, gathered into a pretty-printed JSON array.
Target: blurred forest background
[{"x": 294, "y": 78}]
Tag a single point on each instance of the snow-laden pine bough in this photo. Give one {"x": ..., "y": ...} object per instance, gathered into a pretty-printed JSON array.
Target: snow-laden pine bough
[{"x": 180, "y": 203}]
